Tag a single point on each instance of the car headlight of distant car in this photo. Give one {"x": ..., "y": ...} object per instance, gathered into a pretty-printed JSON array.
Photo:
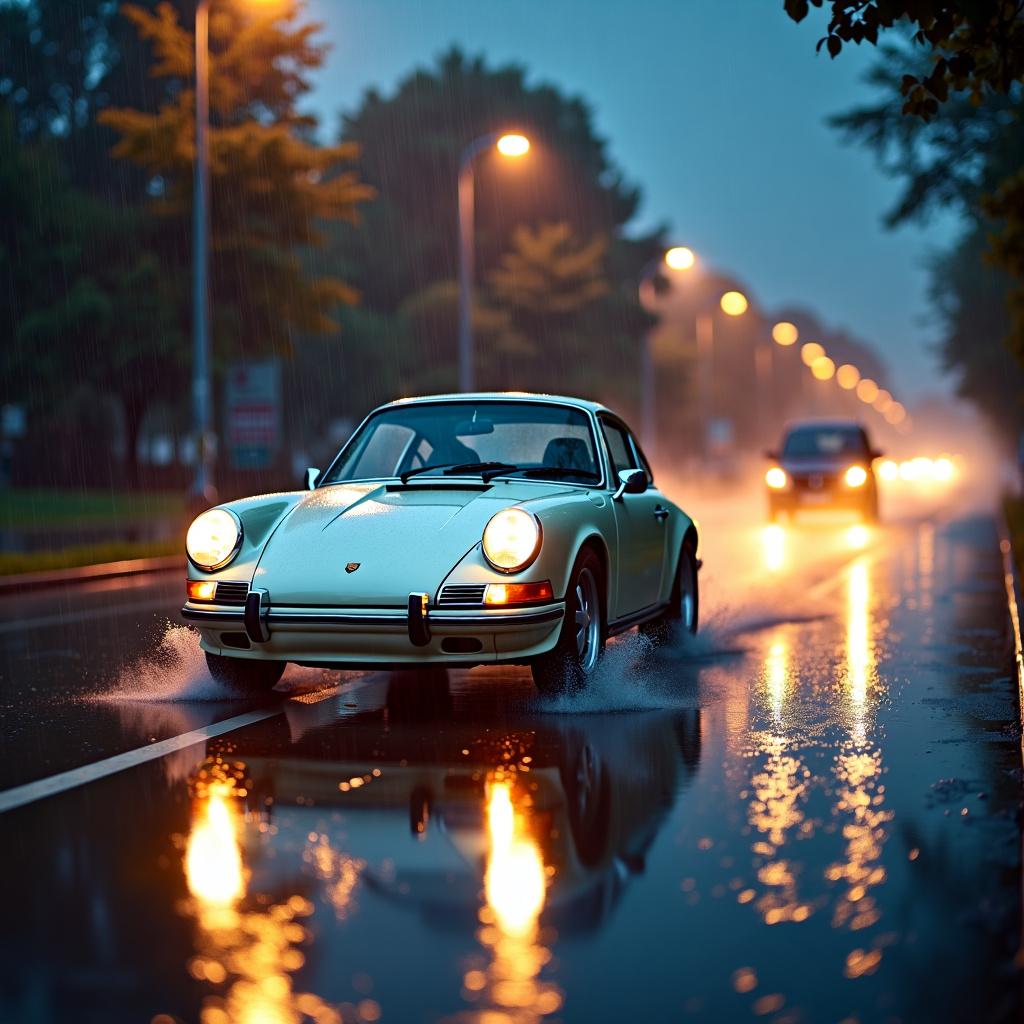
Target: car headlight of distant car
[
  {"x": 214, "y": 539},
  {"x": 511, "y": 539},
  {"x": 776, "y": 478},
  {"x": 856, "y": 476}
]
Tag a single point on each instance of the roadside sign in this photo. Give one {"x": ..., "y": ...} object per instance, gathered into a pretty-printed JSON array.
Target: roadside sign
[{"x": 252, "y": 407}]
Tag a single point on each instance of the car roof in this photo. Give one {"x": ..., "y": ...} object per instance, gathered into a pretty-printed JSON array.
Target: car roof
[
  {"x": 502, "y": 396},
  {"x": 823, "y": 424}
]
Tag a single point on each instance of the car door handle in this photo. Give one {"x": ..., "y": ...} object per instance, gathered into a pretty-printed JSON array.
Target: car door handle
[{"x": 661, "y": 513}]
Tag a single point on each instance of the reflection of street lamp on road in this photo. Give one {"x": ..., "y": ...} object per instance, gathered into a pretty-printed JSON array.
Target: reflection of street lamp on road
[{"x": 508, "y": 146}]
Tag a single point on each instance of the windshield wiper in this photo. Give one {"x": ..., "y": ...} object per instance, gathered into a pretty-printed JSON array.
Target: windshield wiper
[
  {"x": 404, "y": 477},
  {"x": 557, "y": 472},
  {"x": 485, "y": 469}
]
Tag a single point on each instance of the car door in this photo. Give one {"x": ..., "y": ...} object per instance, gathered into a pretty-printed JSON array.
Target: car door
[{"x": 641, "y": 524}]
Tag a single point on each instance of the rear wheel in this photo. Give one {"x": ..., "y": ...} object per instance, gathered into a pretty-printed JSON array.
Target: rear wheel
[
  {"x": 683, "y": 611},
  {"x": 574, "y": 658},
  {"x": 244, "y": 673}
]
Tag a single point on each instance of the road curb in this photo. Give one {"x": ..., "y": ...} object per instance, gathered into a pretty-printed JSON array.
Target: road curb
[
  {"x": 1013, "y": 603},
  {"x": 86, "y": 573}
]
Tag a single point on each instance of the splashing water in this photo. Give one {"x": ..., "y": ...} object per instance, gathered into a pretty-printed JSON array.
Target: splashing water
[{"x": 176, "y": 671}]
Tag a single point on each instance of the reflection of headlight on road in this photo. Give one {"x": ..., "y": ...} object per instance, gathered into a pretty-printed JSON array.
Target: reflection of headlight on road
[
  {"x": 511, "y": 539},
  {"x": 773, "y": 547},
  {"x": 857, "y": 537},
  {"x": 214, "y": 538},
  {"x": 776, "y": 478},
  {"x": 856, "y": 476}
]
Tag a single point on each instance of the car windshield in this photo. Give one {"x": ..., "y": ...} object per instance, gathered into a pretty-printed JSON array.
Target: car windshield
[
  {"x": 825, "y": 441},
  {"x": 533, "y": 439}
]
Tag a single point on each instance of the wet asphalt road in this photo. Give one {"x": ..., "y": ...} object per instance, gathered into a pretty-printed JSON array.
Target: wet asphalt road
[{"x": 809, "y": 814}]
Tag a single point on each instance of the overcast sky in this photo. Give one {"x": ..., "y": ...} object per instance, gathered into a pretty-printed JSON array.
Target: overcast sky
[{"x": 717, "y": 109}]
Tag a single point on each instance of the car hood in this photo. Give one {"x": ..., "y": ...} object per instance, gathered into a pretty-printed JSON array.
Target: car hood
[{"x": 402, "y": 540}]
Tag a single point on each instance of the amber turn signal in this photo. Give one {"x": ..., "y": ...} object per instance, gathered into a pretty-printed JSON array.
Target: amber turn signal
[
  {"x": 518, "y": 593},
  {"x": 201, "y": 590}
]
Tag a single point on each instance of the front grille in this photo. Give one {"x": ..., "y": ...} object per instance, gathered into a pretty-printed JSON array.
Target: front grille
[
  {"x": 815, "y": 482},
  {"x": 231, "y": 593},
  {"x": 462, "y": 594}
]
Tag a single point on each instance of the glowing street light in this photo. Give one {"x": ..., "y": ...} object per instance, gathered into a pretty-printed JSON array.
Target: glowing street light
[
  {"x": 734, "y": 303},
  {"x": 823, "y": 368},
  {"x": 867, "y": 390},
  {"x": 882, "y": 401},
  {"x": 785, "y": 334},
  {"x": 810, "y": 352},
  {"x": 680, "y": 257},
  {"x": 895, "y": 414},
  {"x": 509, "y": 145},
  {"x": 847, "y": 376},
  {"x": 513, "y": 145}
]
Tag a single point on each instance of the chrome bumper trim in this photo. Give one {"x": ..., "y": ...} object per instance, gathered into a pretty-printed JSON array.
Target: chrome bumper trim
[{"x": 398, "y": 621}]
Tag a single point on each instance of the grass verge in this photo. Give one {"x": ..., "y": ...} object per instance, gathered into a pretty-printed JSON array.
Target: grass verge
[
  {"x": 34, "y": 508},
  {"x": 15, "y": 563}
]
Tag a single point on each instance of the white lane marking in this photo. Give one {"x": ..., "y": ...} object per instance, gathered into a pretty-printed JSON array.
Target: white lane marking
[
  {"x": 29, "y": 793},
  {"x": 42, "y": 621}
]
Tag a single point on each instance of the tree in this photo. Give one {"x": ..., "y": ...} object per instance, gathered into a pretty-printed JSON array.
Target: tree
[
  {"x": 406, "y": 260},
  {"x": 90, "y": 314},
  {"x": 971, "y": 300},
  {"x": 271, "y": 186},
  {"x": 974, "y": 47},
  {"x": 548, "y": 276},
  {"x": 967, "y": 157}
]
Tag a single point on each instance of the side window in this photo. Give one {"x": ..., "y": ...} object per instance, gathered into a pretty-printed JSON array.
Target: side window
[
  {"x": 643, "y": 461},
  {"x": 620, "y": 451}
]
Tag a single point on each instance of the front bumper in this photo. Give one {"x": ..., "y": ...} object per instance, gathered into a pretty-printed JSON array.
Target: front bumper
[{"x": 376, "y": 636}]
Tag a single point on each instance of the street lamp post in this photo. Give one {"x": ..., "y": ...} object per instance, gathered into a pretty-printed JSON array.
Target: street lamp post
[
  {"x": 678, "y": 258},
  {"x": 507, "y": 145},
  {"x": 203, "y": 490}
]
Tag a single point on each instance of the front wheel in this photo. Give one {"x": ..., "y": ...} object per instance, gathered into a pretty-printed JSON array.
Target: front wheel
[
  {"x": 567, "y": 667},
  {"x": 682, "y": 613},
  {"x": 244, "y": 673}
]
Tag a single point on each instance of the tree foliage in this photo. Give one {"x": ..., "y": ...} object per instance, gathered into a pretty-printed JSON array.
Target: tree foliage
[
  {"x": 966, "y": 157},
  {"x": 406, "y": 260},
  {"x": 974, "y": 47}
]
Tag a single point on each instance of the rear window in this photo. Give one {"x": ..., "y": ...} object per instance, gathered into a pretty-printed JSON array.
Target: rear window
[{"x": 826, "y": 441}]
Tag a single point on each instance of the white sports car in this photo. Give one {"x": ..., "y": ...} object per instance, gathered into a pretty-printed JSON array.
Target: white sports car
[{"x": 451, "y": 530}]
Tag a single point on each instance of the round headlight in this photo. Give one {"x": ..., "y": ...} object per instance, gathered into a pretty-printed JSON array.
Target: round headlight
[
  {"x": 776, "y": 478},
  {"x": 856, "y": 476},
  {"x": 511, "y": 539},
  {"x": 214, "y": 538}
]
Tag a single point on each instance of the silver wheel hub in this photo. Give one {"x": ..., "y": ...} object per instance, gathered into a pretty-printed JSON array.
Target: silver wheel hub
[{"x": 588, "y": 621}]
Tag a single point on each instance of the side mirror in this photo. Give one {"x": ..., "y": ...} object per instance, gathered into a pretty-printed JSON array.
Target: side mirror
[
  {"x": 312, "y": 475},
  {"x": 876, "y": 454},
  {"x": 773, "y": 455},
  {"x": 631, "y": 481}
]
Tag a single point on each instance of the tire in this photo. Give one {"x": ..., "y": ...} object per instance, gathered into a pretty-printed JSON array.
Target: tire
[
  {"x": 567, "y": 667},
  {"x": 588, "y": 799},
  {"x": 243, "y": 673},
  {"x": 683, "y": 612}
]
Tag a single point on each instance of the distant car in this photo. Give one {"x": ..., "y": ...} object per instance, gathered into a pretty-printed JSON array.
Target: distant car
[
  {"x": 451, "y": 530},
  {"x": 823, "y": 465}
]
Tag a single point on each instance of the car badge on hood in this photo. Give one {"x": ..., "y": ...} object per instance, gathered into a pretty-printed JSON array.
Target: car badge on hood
[{"x": 352, "y": 566}]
